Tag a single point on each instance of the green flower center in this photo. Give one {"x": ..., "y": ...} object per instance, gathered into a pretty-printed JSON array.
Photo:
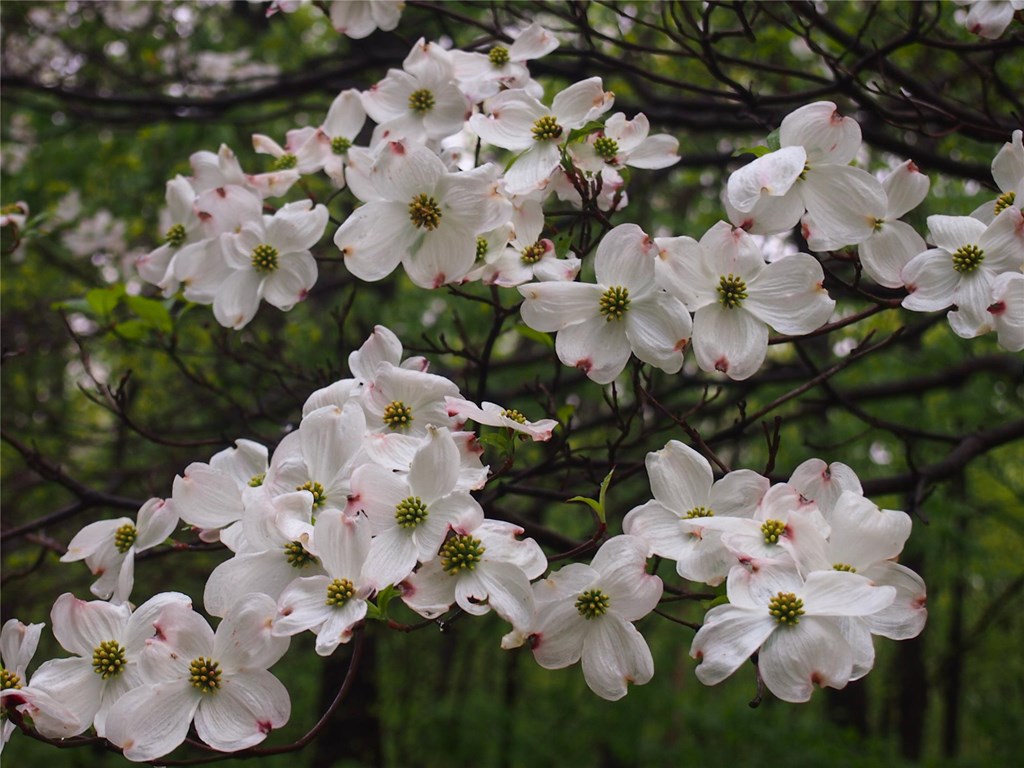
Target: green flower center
[
  {"x": 614, "y": 303},
  {"x": 787, "y": 608},
  {"x": 175, "y": 235},
  {"x": 319, "y": 497},
  {"x": 340, "y": 145},
  {"x": 498, "y": 55},
  {"x": 531, "y": 254},
  {"x": 424, "y": 212},
  {"x": 772, "y": 530},
  {"x": 606, "y": 148},
  {"x": 204, "y": 674},
  {"x": 967, "y": 258},
  {"x": 699, "y": 512},
  {"x": 1004, "y": 201},
  {"x": 297, "y": 556},
  {"x": 546, "y": 128},
  {"x": 339, "y": 592},
  {"x": 844, "y": 567},
  {"x": 481, "y": 247},
  {"x": 461, "y": 553},
  {"x": 257, "y": 480},
  {"x": 877, "y": 226},
  {"x": 731, "y": 291},
  {"x": 8, "y": 679},
  {"x": 803, "y": 173},
  {"x": 108, "y": 659},
  {"x": 421, "y": 100},
  {"x": 397, "y": 415},
  {"x": 410, "y": 512},
  {"x": 124, "y": 537},
  {"x": 512, "y": 413},
  {"x": 285, "y": 162},
  {"x": 592, "y": 603},
  {"x": 264, "y": 258}
]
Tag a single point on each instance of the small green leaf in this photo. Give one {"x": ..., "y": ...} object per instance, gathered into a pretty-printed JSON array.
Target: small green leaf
[
  {"x": 379, "y": 609},
  {"x": 539, "y": 336},
  {"x": 152, "y": 311},
  {"x": 133, "y": 330},
  {"x": 756, "y": 151},
  {"x": 773, "y": 140},
  {"x": 597, "y": 504},
  {"x": 102, "y": 301}
]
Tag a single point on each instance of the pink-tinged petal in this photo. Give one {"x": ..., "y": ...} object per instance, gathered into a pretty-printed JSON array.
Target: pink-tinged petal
[
  {"x": 502, "y": 545},
  {"x": 77, "y": 687},
  {"x": 346, "y": 116},
  {"x": 150, "y": 721},
  {"x": 826, "y": 135},
  {"x": 738, "y": 493},
  {"x": 380, "y": 346},
  {"x": 732, "y": 341},
  {"x": 905, "y": 187},
  {"x": 658, "y": 151},
  {"x": 682, "y": 269},
  {"x": 907, "y": 615},
  {"x": 658, "y": 526},
  {"x": 930, "y": 280},
  {"x": 18, "y": 643},
  {"x": 796, "y": 658},
  {"x": 505, "y": 588},
  {"x": 839, "y": 593},
  {"x": 264, "y": 145},
  {"x": 844, "y": 203},
  {"x": 244, "y": 639},
  {"x": 615, "y": 654},
  {"x": 580, "y": 102},
  {"x": 391, "y": 558},
  {"x": 238, "y": 299},
  {"x": 1003, "y": 242},
  {"x": 621, "y": 562},
  {"x": 157, "y": 520},
  {"x": 81, "y": 626},
  {"x": 342, "y": 542},
  {"x": 729, "y": 637},
  {"x": 680, "y": 477},
  {"x": 771, "y": 215},
  {"x": 449, "y": 114},
  {"x": 509, "y": 120},
  {"x": 771, "y": 175},
  {"x": 989, "y": 18},
  {"x": 302, "y": 605},
  {"x": 1008, "y": 164},
  {"x": 440, "y": 257},
  {"x": 1007, "y": 310},
  {"x": 888, "y": 250},
  {"x": 297, "y": 226},
  {"x": 658, "y": 329},
  {"x": 435, "y": 467},
  {"x": 951, "y": 232},
  {"x": 92, "y": 538},
  {"x": 391, "y": 451},
  {"x": 373, "y": 239},
  {"x": 598, "y": 347},
  {"x": 625, "y": 257},
  {"x": 403, "y": 171},
  {"x": 338, "y": 626},
  {"x": 789, "y": 296},
  {"x": 179, "y": 635},
  {"x": 205, "y": 497},
  {"x": 532, "y": 43},
  {"x": 554, "y": 306},
  {"x": 377, "y": 492},
  {"x": 558, "y": 634},
  {"x": 389, "y": 99},
  {"x": 267, "y": 572},
  {"x": 824, "y": 483},
  {"x": 459, "y": 511},
  {"x": 289, "y": 283},
  {"x": 862, "y": 534},
  {"x": 243, "y": 711},
  {"x": 330, "y": 438},
  {"x": 533, "y": 168},
  {"x": 551, "y": 268},
  {"x": 753, "y": 583},
  {"x": 140, "y": 626},
  {"x": 430, "y": 591}
]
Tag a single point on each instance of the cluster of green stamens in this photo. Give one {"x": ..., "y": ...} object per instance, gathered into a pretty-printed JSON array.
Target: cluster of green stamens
[
  {"x": 257, "y": 480},
  {"x": 8, "y": 679},
  {"x": 772, "y": 530},
  {"x": 803, "y": 173},
  {"x": 339, "y": 592},
  {"x": 297, "y": 556},
  {"x": 844, "y": 567},
  {"x": 592, "y": 603},
  {"x": 397, "y": 415},
  {"x": 319, "y": 497},
  {"x": 124, "y": 537},
  {"x": 108, "y": 659},
  {"x": 606, "y": 148},
  {"x": 531, "y": 254},
  {"x": 461, "y": 553},
  {"x": 340, "y": 145},
  {"x": 1004, "y": 201},
  {"x": 967, "y": 258},
  {"x": 410, "y": 512},
  {"x": 421, "y": 100},
  {"x": 614, "y": 302},
  {"x": 285, "y": 162},
  {"x": 175, "y": 235},
  {"x": 512, "y": 413},
  {"x": 699, "y": 512},
  {"x": 204, "y": 674},
  {"x": 481, "y": 247},
  {"x": 545, "y": 128},
  {"x": 731, "y": 291},
  {"x": 264, "y": 258},
  {"x": 787, "y": 608},
  {"x": 498, "y": 56},
  {"x": 424, "y": 212},
  {"x": 879, "y": 223}
]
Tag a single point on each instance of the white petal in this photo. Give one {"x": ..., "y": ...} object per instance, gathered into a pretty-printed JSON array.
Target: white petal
[
  {"x": 658, "y": 330},
  {"x": 789, "y": 296},
  {"x": 373, "y": 239},
  {"x": 888, "y": 250},
  {"x": 598, "y": 347},
  {"x": 680, "y": 477},
  {"x": 615, "y": 654},
  {"x": 825, "y": 134},
  {"x": 930, "y": 280},
  {"x": 244, "y": 639},
  {"x": 150, "y": 721},
  {"x": 81, "y": 626},
  {"x": 844, "y": 202},
  {"x": 241, "y": 713},
  {"x": 732, "y": 341},
  {"x": 553, "y": 306},
  {"x": 580, "y": 102},
  {"x": 771, "y": 175},
  {"x": 238, "y": 299},
  {"x": 796, "y": 658},
  {"x": 729, "y": 637},
  {"x": 905, "y": 187}
]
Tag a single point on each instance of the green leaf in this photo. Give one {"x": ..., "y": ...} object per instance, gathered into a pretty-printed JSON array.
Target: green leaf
[
  {"x": 579, "y": 134},
  {"x": 500, "y": 441},
  {"x": 533, "y": 335},
  {"x": 379, "y": 609},
  {"x": 102, "y": 301},
  {"x": 757, "y": 151},
  {"x": 773, "y": 140},
  {"x": 597, "y": 504},
  {"x": 133, "y": 330},
  {"x": 152, "y": 311}
]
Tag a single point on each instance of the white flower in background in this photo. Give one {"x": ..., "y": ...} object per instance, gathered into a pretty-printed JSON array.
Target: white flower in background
[
  {"x": 109, "y": 546},
  {"x": 961, "y": 268},
  {"x": 411, "y": 515},
  {"x": 482, "y": 75},
  {"x": 343, "y": 123},
  {"x": 589, "y": 617},
  {"x": 183, "y": 234},
  {"x": 1008, "y": 173},
  {"x": 685, "y": 494},
  {"x": 495, "y": 416},
  {"x": 735, "y": 296},
  {"x": 422, "y": 216},
  {"x": 625, "y": 142},
  {"x": 824, "y": 483},
  {"x": 213, "y": 171},
  {"x": 331, "y": 604},
  {"x": 893, "y": 243},
  {"x": 519, "y": 122},
  {"x": 106, "y": 640},
  {"x": 990, "y": 18},
  {"x": 600, "y": 325},
  {"x": 269, "y": 259},
  {"x": 219, "y": 680},
  {"x": 795, "y": 626},
  {"x": 419, "y": 102},
  {"x": 360, "y": 18},
  {"x": 480, "y": 569},
  {"x": 810, "y": 172}
]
